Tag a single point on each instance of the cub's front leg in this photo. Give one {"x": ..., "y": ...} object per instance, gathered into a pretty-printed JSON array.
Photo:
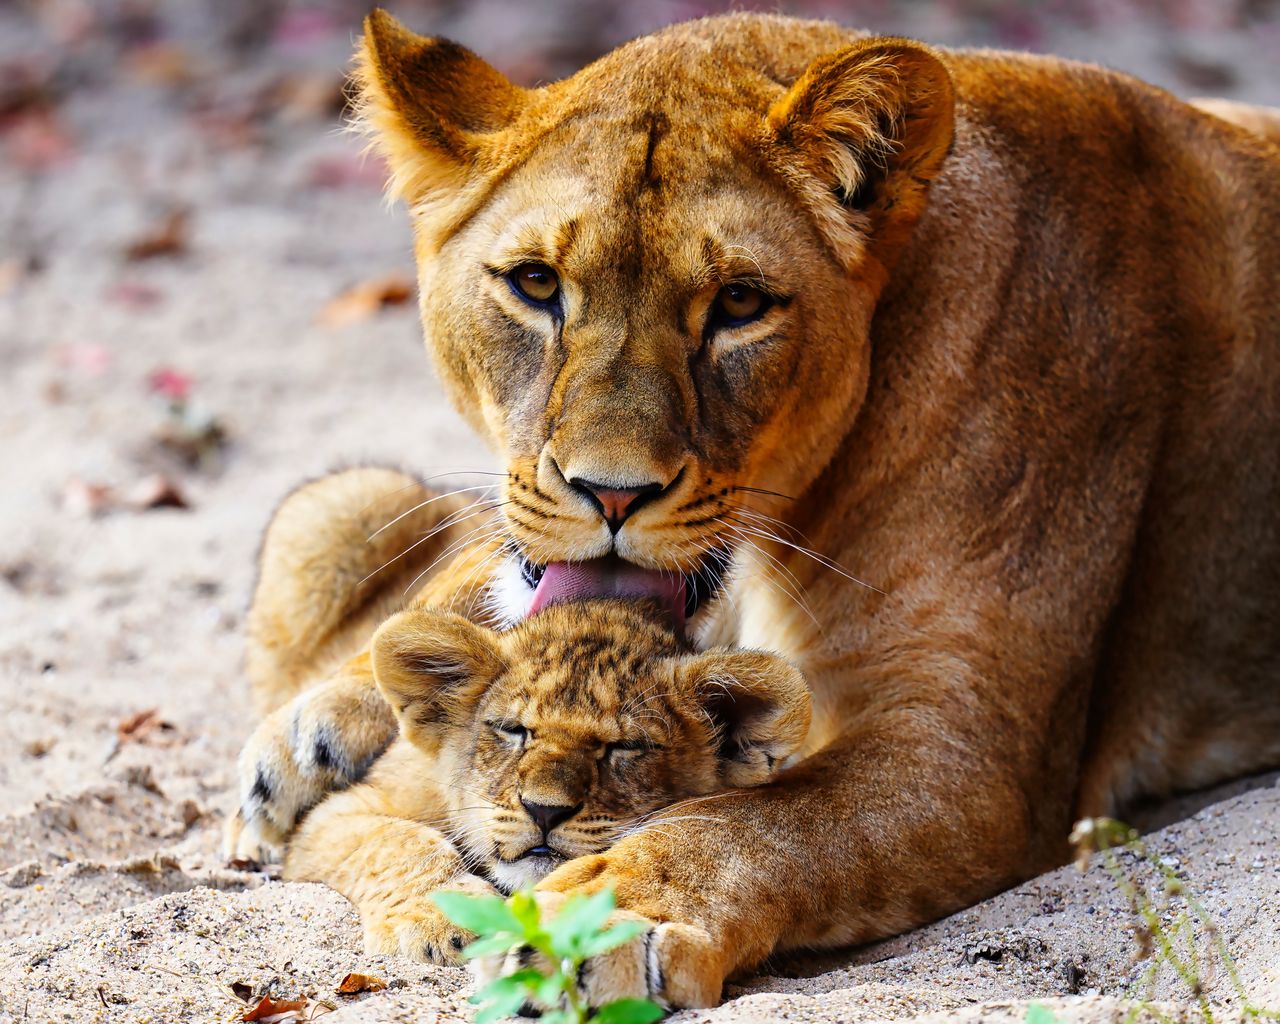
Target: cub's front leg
[
  {"x": 337, "y": 560},
  {"x": 372, "y": 843},
  {"x": 321, "y": 741}
]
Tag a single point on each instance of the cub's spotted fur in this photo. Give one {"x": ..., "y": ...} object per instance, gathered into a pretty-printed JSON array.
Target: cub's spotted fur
[{"x": 521, "y": 750}]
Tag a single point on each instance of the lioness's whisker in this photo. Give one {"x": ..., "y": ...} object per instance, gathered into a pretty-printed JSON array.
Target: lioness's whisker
[
  {"x": 424, "y": 504},
  {"x": 476, "y": 575},
  {"x": 687, "y": 802},
  {"x": 452, "y": 519},
  {"x": 761, "y": 490},
  {"x": 455, "y": 547},
  {"x": 821, "y": 559},
  {"x": 789, "y": 587},
  {"x": 767, "y": 521}
]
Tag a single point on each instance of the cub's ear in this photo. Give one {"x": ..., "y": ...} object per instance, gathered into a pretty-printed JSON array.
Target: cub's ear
[
  {"x": 432, "y": 667},
  {"x": 760, "y": 707},
  {"x": 429, "y": 105},
  {"x": 861, "y": 135}
]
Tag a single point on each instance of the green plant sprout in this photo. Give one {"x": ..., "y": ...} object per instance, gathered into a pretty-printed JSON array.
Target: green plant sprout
[
  {"x": 1165, "y": 927},
  {"x": 566, "y": 941},
  {"x": 1038, "y": 1013}
]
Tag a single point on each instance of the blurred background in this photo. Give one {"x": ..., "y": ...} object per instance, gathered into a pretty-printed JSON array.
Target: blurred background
[{"x": 204, "y": 300}]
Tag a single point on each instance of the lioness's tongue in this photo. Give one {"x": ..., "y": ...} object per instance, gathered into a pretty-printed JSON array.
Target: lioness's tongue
[{"x": 609, "y": 577}]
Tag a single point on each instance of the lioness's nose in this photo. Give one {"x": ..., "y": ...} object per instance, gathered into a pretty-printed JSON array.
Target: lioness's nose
[
  {"x": 548, "y": 816},
  {"x": 616, "y": 504}
]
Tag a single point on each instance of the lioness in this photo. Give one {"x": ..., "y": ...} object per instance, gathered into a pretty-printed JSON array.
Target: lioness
[
  {"x": 996, "y": 334},
  {"x": 523, "y": 749}
]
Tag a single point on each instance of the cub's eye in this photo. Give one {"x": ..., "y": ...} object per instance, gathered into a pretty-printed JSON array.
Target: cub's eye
[
  {"x": 738, "y": 304},
  {"x": 511, "y": 733},
  {"x": 624, "y": 750},
  {"x": 536, "y": 282}
]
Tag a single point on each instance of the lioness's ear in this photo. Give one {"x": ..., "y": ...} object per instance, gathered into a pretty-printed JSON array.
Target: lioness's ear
[
  {"x": 759, "y": 704},
  {"x": 429, "y": 105},
  {"x": 861, "y": 135},
  {"x": 432, "y": 667}
]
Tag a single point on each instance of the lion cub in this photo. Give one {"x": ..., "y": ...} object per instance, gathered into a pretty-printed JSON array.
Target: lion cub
[{"x": 524, "y": 749}]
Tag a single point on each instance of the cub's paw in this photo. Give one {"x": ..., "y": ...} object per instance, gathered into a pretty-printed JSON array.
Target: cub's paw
[
  {"x": 419, "y": 930},
  {"x": 674, "y": 965},
  {"x": 324, "y": 739}
]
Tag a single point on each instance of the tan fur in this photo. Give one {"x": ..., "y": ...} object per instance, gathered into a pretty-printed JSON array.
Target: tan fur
[
  {"x": 1023, "y": 377},
  {"x": 1264, "y": 121},
  {"x": 594, "y": 707}
]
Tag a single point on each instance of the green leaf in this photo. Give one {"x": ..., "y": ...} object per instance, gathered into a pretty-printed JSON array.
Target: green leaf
[
  {"x": 580, "y": 917},
  {"x": 484, "y": 915},
  {"x": 1038, "y": 1014},
  {"x": 560, "y": 1017},
  {"x": 504, "y": 996},
  {"x": 498, "y": 1011},
  {"x": 550, "y": 990},
  {"x": 491, "y": 945},
  {"x": 621, "y": 933},
  {"x": 522, "y": 981},
  {"x": 524, "y": 908},
  {"x": 629, "y": 1011}
]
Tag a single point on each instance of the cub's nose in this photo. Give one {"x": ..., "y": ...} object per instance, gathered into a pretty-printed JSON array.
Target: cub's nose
[
  {"x": 548, "y": 816},
  {"x": 616, "y": 504}
]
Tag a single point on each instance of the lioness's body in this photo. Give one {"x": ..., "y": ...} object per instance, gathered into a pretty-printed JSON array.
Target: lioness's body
[{"x": 1038, "y": 409}]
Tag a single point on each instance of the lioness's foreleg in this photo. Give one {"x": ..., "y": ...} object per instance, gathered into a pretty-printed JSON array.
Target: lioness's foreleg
[
  {"x": 897, "y": 842},
  {"x": 340, "y": 555},
  {"x": 374, "y": 844}
]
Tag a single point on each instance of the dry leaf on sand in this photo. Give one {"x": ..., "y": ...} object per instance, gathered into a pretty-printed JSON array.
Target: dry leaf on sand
[
  {"x": 168, "y": 238},
  {"x": 156, "y": 491},
  {"x": 355, "y": 983},
  {"x": 365, "y": 300},
  {"x": 137, "y": 727},
  {"x": 286, "y": 1011},
  {"x": 91, "y": 498}
]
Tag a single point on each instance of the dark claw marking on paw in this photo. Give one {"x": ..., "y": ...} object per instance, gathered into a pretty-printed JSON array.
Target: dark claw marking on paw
[
  {"x": 429, "y": 950},
  {"x": 324, "y": 754},
  {"x": 457, "y": 942},
  {"x": 529, "y": 1010},
  {"x": 261, "y": 791},
  {"x": 655, "y": 979}
]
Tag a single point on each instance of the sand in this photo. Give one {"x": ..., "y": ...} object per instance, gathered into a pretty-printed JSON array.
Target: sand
[{"x": 114, "y": 902}]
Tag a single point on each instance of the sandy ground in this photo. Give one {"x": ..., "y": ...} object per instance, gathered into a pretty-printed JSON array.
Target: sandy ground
[{"x": 114, "y": 904}]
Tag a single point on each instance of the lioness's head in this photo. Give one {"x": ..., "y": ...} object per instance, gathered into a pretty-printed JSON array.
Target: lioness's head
[
  {"x": 650, "y": 284},
  {"x": 556, "y": 737}
]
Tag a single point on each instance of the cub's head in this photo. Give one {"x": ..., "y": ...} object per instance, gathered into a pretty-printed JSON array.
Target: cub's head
[
  {"x": 650, "y": 285},
  {"x": 558, "y": 736}
]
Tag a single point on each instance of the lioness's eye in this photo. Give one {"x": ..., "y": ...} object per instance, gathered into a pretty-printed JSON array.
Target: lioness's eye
[
  {"x": 536, "y": 282},
  {"x": 738, "y": 304}
]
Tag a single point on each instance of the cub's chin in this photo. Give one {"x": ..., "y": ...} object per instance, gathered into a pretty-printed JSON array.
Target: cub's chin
[{"x": 524, "y": 872}]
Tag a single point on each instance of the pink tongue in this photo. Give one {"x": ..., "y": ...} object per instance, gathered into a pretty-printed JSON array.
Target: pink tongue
[{"x": 609, "y": 577}]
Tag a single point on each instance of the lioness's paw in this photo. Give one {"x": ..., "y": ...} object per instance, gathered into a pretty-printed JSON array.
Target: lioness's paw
[
  {"x": 322, "y": 740},
  {"x": 672, "y": 964}
]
